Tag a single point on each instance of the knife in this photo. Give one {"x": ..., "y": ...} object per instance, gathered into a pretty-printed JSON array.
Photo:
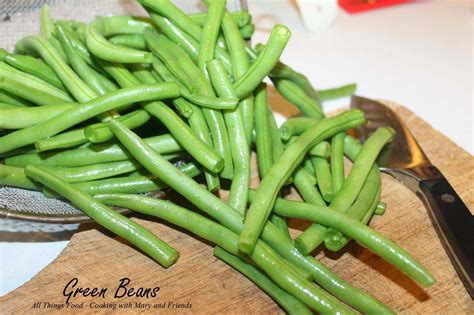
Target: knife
[{"x": 405, "y": 160}]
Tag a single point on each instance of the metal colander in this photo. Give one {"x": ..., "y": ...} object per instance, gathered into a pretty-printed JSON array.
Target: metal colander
[{"x": 19, "y": 18}]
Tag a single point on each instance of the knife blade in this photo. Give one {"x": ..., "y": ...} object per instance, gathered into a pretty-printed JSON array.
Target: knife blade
[{"x": 405, "y": 160}]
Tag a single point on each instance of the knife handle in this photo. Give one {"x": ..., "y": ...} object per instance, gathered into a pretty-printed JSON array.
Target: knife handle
[{"x": 454, "y": 224}]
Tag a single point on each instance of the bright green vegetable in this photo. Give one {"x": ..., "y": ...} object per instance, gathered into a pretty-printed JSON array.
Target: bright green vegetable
[
  {"x": 15, "y": 177},
  {"x": 339, "y": 92},
  {"x": 322, "y": 171},
  {"x": 22, "y": 117},
  {"x": 296, "y": 95},
  {"x": 108, "y": 218},
  {"x": 296, "y": 126}
]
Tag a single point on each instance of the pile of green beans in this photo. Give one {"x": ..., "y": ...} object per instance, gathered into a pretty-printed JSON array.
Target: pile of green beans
[{"x": 99, "y": 113}]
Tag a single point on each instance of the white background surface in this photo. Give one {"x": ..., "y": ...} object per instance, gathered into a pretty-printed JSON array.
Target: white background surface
[{"x": 419, "y": 55}]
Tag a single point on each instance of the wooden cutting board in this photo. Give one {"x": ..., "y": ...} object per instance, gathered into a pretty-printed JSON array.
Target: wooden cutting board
[{"x": 206, "y": 285}]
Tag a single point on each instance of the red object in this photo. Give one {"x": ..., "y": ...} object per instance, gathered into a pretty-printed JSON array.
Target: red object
[{"x": 354, "y": 6}]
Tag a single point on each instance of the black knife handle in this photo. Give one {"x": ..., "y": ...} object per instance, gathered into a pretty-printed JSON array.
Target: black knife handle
[{"x": 454, "y": 224}]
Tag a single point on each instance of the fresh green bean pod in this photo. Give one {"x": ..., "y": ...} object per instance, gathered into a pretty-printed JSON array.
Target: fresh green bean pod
[
  {"x": 99, "y": 46},
  {"x": 287, "y": 301},
  {"x": 35, "y": 67},
  {"x": 277, "y": 144},
  {"x": 296, "y": 126},
  {"x": 296, "y": 95},
  {"x": 209, "y": 34},
  {"x": 238, "y": 142},
  {"x": 222, "y": 103},
  {"x": 15, "y": 177},
  {"x": 247, "y": 31},
  {"x": 135, "y": 41},
  {"x": 47, "y": 28},
  {"x": 108, "y": 218},
  {"x": 132, "y": 185},
  {"x": 23, "y": 117},
  {"x": 364, "y": 235},
  {"x": 93, "y": 172},
  {"x": 265, "y": 61},
  {"x": 100, "y": 132},
  {"x": 241, "y": 18},
  {"x": 338, "y": 92},
  {"x": 381, "y": 208},
  {"x": 337, "y": 161},
  {"x": 322, "y": 171},
  {"x": 8, "y": 106},
  {"x": 281, "y": 224},
  {"x": 322, "y": 150},
  {"x": 263, "y": 138},
  {"x": 280, "y": 172},
  {"x": 12, "y": 99},
  {"x": 86, "y": 111},
  {"x": 263, "y": 257},
  {"x": 93, "y": 154},
  {"x": 33, "y": 82},
  {"x": 64, "y": 140}
]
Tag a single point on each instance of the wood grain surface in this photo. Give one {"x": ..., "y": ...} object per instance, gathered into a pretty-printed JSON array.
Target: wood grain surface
[{"x": 99, "y": 259}]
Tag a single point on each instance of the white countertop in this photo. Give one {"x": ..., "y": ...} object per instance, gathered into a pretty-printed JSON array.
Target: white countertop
[{"x": 419, "y": 55}]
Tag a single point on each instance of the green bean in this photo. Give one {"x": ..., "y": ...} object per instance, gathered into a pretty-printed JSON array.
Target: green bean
[
  {"x": 199, "y": 150},
  {"x": 321, "y": 150},
  {"x": 210, "y": 31},
  {"x": 8, "y": 106},
  {"x": 322, "y": 171},
  {"x": 93, "y": 154},
  {"x": 33, "y": 82},
  {"x": 39, "y": 45},
  {"x": 34, "y": 67},
  {"x": 22, "y": 117},
  {"x": 162, "y": 48},
  {"x": 86, "y": 111},
  {"x": 280, "y": 172},
  {"x": 296, "y": 126},
  {"x": 100, "y": 132},
  {"x": 263, "y": 140},
  {"x": 224, "y": 103},
  {"x": 240, "y": 65},
  {"x": 30, "y": 93},
  {"x": 108, "y": 218},
  {"x": 93, "y": 172},
  {"x": 135, "y": 41},
  {"x": 226, "y": 215},
  {"x": 263, "y": 256},
  {"x": 186, "y": 42},
  {"x": 13, "y": 99},
  {"x": 241, "y": 18},
  {"x": 99, "y": 46},
  {"x": 308, "y": 166},
  {"x": 296, "y": 95},
  {"x": 288, "y": 302},
  {"x": 351, "y": 187},
  {"x": 247, "y": 31},
  {"x": 68, "y": 139},
  {"x": 15, "y": 177},
  {"x": 132, "y": 185},
  {"x": 276, "y": 141},
  {"x": 47, "y": 27},
  {"x": 79, "y": 45},
  {"x": 339, "y": 92},
  {"x": 238, "y": 143},
  {"x": 364, "y": 235},
  {"x": 264, "y": 62},
  {"x": 93, "y": 79},
  {"x": 281, "y": 224},
  {"x": 380, "y": 209},
  {"x": 366, "y": 201},
  {"x": 214, "y": 119},
  {"x": 337, "y": 161}
]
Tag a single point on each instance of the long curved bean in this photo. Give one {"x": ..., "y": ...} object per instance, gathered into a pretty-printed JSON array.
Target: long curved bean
[
  {"x": 13, "y": 99},
  {"x": 338, "y": 92},
  {"x": 283, "y": 168},
  {"x": 86, "y": 111},
  {"x": 99, "y": 46},
  {"x": 135, "y": 41},
  {"x": 296, "y": 95},
  {"x": 23, "y": 117},
  {"x": 108, "y": 218},
  {"x": 296, "y": 126},
  {"x": 93, "y": 154},
  {"x": 265, "y": 61},
  {"x": 263, "y": 256},
  {"x": 263, "y": 138},
  {"x": 364, "y": 235},
  {"x": 15, "y": 177},
  {"x": 238, "y": 142},
  {"x": 337, "y": 161}
]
